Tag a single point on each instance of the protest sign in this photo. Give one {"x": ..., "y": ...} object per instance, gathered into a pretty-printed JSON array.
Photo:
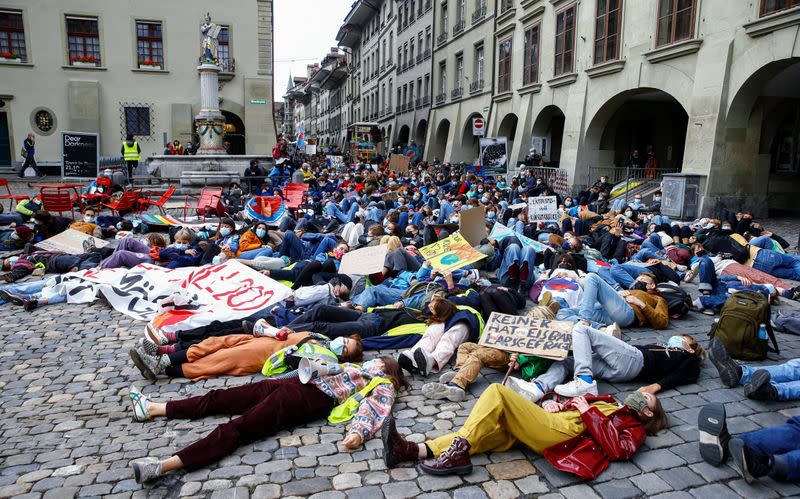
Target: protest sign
[
  {"x": 518, "y": 206},
  {"x": 472, "y": 225},
  {"x": 494, "y": 155},
  {"x": 451, "y": 253},
  {"x": 528, "y": 335},
  {"x": 311, "y": 149},
  {"x": 543, "y": 209},
  {"x": 70, "y": 241},
  {"x": 398, "y": 163},
  {"x": 364, "y": 261},
  {"x": 500, "y": 232},
  {"x": 335, "y": 161}
]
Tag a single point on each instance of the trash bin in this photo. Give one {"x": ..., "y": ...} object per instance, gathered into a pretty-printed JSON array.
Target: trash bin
[{"x": 680, "y": 195}]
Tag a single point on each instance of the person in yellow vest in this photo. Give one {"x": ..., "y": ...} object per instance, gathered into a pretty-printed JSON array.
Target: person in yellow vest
[
  {"x": 131, "y": 153},
  {"x": 361, "y": 394}
]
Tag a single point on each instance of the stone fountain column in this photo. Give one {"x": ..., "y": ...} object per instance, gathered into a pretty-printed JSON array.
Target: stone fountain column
[{"x": 209, "y": 122}]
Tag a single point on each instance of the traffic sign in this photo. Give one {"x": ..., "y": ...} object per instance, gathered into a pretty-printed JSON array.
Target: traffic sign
[{"x": 478, "y": 127}]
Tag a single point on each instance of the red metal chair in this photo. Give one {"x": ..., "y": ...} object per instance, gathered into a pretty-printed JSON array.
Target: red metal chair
[
  {"x": 56, "y": 200},
  {"x": 12, "y": 198},
  {"x": 102, "y": 193},
  {"x": 129, "y": 201},
  {"x": 209, "y": 202},
  {"x": 145, "y": 203}
]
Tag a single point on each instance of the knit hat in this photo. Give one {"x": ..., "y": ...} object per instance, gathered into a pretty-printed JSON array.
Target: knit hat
[{"x": 24, "y": 232}]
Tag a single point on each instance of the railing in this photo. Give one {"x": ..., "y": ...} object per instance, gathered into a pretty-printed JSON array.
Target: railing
[
  {"x": 456, "y": 93},
  {"x": 383, "y": 68},
  {"x": 427, "y": 53},
  {"x": 418, "y": 102},
  {"x": 411, "y": 17},
  {"x": 410, "y": 63},
  {"x": 426, "y": 101},
  {"x": 475, "y": 86},
  {"x": 618, "y": 174},
  {"x": 441, "y": 98},
  {"x": 442, "y": 37},
  {"x": 458, "y": 28},
  {"x": 428, "y": 5},
  {"x": 479, "y": 14},
  {"x": 419, "y": 58}
]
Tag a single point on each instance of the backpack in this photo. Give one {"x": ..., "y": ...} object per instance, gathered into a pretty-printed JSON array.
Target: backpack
[
  {"x": 24, "y": 152},
  {"x": 678, "y": 300},
  {"x": 739, "y": 323}
]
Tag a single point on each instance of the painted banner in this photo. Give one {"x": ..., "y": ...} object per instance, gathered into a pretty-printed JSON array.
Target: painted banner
[
  {"x": 70, "y": 241},
  {"x": 528, "y": 335},
  {"x": 451, "y": 253},
  {"x": 500, "y": 232},
  {"x": 364, "y": 261},
  {"x": 174, "y": 299},
  {"x": 494, "y": 155},
  {"x": 543, "y": 209}
]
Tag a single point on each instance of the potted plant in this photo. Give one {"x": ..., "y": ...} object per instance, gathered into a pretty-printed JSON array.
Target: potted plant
[
  {"x": 85, "y": 61},
  {"x": 10, "y": 57},
  {"x": 150, "y": 64}
]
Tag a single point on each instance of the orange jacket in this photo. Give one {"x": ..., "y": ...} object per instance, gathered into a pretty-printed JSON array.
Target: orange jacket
[{"x": 248, "y": 241}]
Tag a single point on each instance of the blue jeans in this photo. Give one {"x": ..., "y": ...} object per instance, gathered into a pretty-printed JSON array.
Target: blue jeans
[
  {"x": 777, "y": 264},
  {"x": 600, "y": 305},
  {"x": 254, "y": 253},
  {"x": 375, "y": 214},
  {"x": 783, "y": 442},
  {"x": 33, "y": 290},
  {"x": 784, "y": 377},
  {"x": 308, "y": 247},
  {"x": 445, "y": 212},
  {"x": 765, "y": 242},
  {"x": 514, "y": 254},
  {"x": 333, "y": 211},
  {"x": 378, "y": 295},
  {"x": 719, "y": 286},
  {"x": 621, "y": 275}
]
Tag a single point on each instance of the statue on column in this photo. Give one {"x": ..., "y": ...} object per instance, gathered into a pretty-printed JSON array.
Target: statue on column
[{"x": 210, "y": 33}]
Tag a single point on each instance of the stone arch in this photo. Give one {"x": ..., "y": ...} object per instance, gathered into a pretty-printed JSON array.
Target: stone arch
[
  {"x": 234, "y": 133},
  {"x": 422, "y": 130},
  {"x": 469, "y": 145},
  {"x": 439, "y": 143},
  {"x": 548, "y": 132},
  {"x": 403, "y": 135}
]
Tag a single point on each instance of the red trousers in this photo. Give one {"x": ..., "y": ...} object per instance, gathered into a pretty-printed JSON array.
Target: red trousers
[{"x": 266, "y": 408}]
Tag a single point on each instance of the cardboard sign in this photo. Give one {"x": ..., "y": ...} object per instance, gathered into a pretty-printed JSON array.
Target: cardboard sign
[
  {"x": 364, "y": 261},
  {"x": 528, "y": 335},
  {"x": 472, "y": 225},
  {"x": 70, "y": 241},
  {"x": 500, "y": 232},
  {"x": 543, "y": 209},
  {"x": 451, "y": 253},
  {"x": 399, "y": 163}
]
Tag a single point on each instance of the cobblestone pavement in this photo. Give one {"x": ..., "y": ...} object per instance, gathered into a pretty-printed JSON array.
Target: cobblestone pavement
[{"x": 66, "y": 429}]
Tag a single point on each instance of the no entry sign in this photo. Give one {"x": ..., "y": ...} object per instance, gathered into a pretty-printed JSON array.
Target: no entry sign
[{"x": 478, "y": 127}]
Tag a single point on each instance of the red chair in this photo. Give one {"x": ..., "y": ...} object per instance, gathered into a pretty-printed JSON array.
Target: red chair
[
  {"x": 208, "y": 203},
  {"x": 102, "y": 192},
  {"x": 145, "y": 203},
  {"x": 129, "y": 201},
  {"x": 56, "y": 200},
  {"x": 12, "y": 198}
]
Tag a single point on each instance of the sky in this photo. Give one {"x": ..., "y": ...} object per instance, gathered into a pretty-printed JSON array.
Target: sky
[{"x": 305, "y": 30}]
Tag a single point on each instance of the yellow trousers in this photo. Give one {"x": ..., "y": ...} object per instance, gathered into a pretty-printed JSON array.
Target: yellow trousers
[{"x": 501, "y": 418}]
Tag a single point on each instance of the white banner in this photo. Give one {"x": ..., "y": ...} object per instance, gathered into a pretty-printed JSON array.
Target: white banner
[{"x": 175, "y": 299}]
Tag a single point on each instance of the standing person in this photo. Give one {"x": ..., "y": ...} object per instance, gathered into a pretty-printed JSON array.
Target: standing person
[
  {"x": 131, "y": 152},
  {"x": 652, "y": 165},
  {"x": 635, "y": 162},
  {"x": 255, "y": 170},
  {"x": 29, "y": 153}
]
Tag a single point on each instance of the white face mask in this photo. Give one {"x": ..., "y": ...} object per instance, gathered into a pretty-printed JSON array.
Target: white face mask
[
  {"x": 629, "y": 214},
  {"x": 88, "y": 219},
  {"x": 337, "y": 346},
  {"x": 181, "y": 246}
]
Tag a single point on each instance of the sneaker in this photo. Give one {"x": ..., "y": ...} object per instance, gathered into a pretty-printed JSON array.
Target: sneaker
[
  {"x": 406, "y": 362},
  {"x": 423, "y": 361},
  {"x": 139, "y": 404},
  {"x": 576, "y": 388},
  {"x": 795, "y": 293},
  {"x": 149, "y": 366},
  {"x": 545, "y": 298},
  {"x": 554, "y": 306},
  {"x": 247, "y": 327},
  {"x": 613, "y": 330},
  {"x": 148, "y": 346},
  {"x": 438, "y": 391},
  {"x": 146, "y": 469},
  {"x": 760, "y": 387},
  {"x": 29, "y": 305},
  {"x": 714, "y": 434},
  {"x": 454, "y": 461},
  {"x": 396, "y": 449},
  {"x": 11, "y": 298},
  {"x": 527, "y": 389},
  {"x": 447, "y": 377},
  {"x": 750, "y": 463},
  {"x": 88, "y": 245},
  {"x": 729, "y": 371},
  {"x": 156, "y": 335}
]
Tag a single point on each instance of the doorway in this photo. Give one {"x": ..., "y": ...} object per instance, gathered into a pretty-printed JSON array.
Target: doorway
[{"x": 5, "y": 142}]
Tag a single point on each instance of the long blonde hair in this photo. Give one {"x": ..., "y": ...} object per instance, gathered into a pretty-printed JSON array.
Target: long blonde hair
[{"x": 393, "y": 242}]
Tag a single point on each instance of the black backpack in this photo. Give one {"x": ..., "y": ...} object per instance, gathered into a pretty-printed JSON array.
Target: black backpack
[
  {"x": 738, "y": 326},
  {"x": 678, "y": 300}
]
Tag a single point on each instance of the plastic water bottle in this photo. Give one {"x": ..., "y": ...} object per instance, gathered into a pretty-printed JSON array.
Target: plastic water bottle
[{"x": 762, "y": 332}]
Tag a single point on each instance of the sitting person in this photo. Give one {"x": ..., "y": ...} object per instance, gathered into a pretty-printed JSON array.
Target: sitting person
[
  {"x": 580, "y": 436},
  {"x": 270, "y": 406},
  {"x": 223, "y": 245},
  {"x": 598, "y": 355},
  {"x": 772, "y": 452},
  {"x": 182, "y": 253},
  {"x": 255, "y": 242},
  {"x": 773, "y": 383}
]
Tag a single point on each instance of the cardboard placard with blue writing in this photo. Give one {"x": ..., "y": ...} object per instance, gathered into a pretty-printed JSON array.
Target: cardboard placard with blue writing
[
  {"x": 451, "y": 253},
  {"x": 528, "y": 335}
]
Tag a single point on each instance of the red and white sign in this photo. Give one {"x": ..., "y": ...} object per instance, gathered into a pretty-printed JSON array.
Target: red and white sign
[{"x": 478, "y": 127}]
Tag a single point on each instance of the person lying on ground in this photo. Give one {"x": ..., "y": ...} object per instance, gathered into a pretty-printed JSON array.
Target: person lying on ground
[
  {"x": 771, "y": 383},
  {"x": 182, "y": 253},
  {"x": 270, "y": 406},
  {"x": 130, "y": 252}
]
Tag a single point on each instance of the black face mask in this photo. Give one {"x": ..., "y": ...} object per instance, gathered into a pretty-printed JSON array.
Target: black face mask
[{"x": 639, "y": 285}]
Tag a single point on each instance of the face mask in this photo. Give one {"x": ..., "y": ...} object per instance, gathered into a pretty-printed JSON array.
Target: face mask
[
  {"x": 638, "y": 200},
  {"x": 567, "y": 203},
  {"x": 12, "y": 260},
  {"x": 181, "y": 246},
  {"x": 538, "y": 183},
  {"x": 603, "y": 181},
  {"x": 261, "y": 233},
  {"x": 338, "y": 253},
  {"x": 656, "y": 198},
  {"x": 88, "y": 219},
  {"x": 225, "y": 231},
  {"x": 708, "y": 226},
  {"x": 636, "y": 401},
  {"x": 491, "y": 214},
  {"x": 726, "y": 227},
  {"x": 216, "y": 260},
  {"x": 639, "y": 285},
  {"x": 629, "y": 214},
  {"x": 675, "y": 342},
  {"x": 119, "y": 226},
  {"x": 337, "y": 346},
  {"x": 480, "y": 190},
  {"x": 485, "y": 200},
  {"x": 236, "y": 192},
  {"x": 464, "y": 282},
  {"x": 371, "y": 365}
]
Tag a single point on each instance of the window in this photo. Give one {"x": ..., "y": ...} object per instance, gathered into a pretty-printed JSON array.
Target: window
[
  {"x": 149, "y": 44},
  {"x": 224, "y": 49},
  {"x": 530, "y": 68},
  {"x": 506, "y": 5},
  {"x": 462, "y": 11},
  {"x": 504, "y": 67},
  {"x": 442, "y": 78},
  {"x": 137, "y": 121},
  {"x": 675, "y": 21},
  {"x": 445, "y": 21},
  {"x": 479, "y": 62},
  {"x": 606, "y": 30},
  {"x": 12, "y": 36},
  {"x": 771, "y": 6},
  {"x": 565, "y": 40},
  {"x": 83, "y": 40},
  {"x": 427, "y": 84},
  {"x": 459, "y": 83}
]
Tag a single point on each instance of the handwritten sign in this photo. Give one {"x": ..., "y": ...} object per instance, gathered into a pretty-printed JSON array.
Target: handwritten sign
[
  {"x": 70, "y": 241},
  {"x": 364, "y": 261},
  {"x": 472, "y": 224},
  {"x": 399, "y": 163},
  {"x": 451, "y": 253},
  {"x": 543, "y": 209},
  {"x": 528, "y": 335}
]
